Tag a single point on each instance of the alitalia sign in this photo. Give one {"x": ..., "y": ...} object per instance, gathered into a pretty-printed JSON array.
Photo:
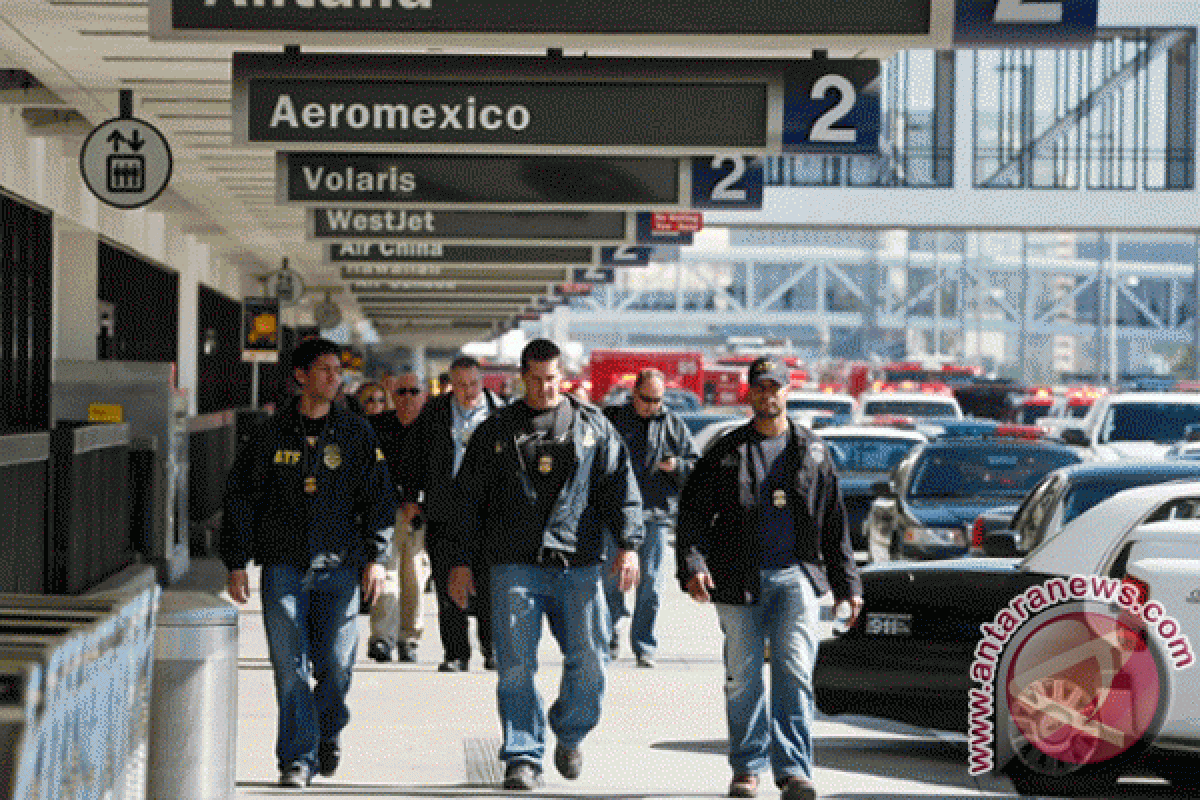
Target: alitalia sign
[{"x": 763, "y": 28}]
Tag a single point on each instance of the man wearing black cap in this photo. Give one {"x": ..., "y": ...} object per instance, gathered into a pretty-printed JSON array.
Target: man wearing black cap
[{"x": 759, "y": 514}]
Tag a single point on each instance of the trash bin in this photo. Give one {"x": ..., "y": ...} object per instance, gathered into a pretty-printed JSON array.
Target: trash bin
[{"x": 193, "y": 702}]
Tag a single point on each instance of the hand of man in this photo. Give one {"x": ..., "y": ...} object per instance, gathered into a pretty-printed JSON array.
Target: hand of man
[
  {"x": 668, "y": 464},
  {"x": 625, "y": 568},
  {"x": 238, "y": 586},
  {"x": 409, "y": 511},
  {"x": 460, "y": 585},
  {"x": 699, "y": 585},
  {"x": 373, "y": 576},
  {"x": 856, "y": 607}
]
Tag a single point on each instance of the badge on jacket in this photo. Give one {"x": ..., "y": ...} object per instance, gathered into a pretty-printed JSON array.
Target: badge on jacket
[
  {"x": 589, "y": 438},
  {"x": 779, "y": 498},
  {"x": 545, "y": 464},
  {"x": 333, "y": 456}
]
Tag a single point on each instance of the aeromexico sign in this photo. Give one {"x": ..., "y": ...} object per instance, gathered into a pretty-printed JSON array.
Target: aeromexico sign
[
  {"x": 644, "y": 26},
  {"x": 522, "y": 105}
]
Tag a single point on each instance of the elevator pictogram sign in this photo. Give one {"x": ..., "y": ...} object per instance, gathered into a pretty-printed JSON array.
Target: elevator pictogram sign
[{"x": 125, "y": 162}]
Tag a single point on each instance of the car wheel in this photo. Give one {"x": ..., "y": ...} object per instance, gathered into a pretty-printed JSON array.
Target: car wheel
[{"x": 1059, "y": 763}]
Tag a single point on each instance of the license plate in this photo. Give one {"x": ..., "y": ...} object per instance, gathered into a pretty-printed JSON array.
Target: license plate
[{"x": 882, "y": 624}]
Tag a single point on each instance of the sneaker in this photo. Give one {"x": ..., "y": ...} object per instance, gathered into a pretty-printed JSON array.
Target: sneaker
[
  {"x": 453, "y": 665},
  {"x": 407, "y": 652},
  {"x": 743, "y": 785},
  {"x": 646, "y": 662},
  {"x": 296, "y": 776},
  {"x": 796, "y": 788},
  {"x": 329, "y": 755},
  {"x": 569, "y": 763},
  {"x": 380, "y": 650},
  {"x": 522, "y": 775}
]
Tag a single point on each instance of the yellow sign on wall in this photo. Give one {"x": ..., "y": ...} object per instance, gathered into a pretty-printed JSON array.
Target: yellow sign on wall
[{"x": 105, "y": 412}]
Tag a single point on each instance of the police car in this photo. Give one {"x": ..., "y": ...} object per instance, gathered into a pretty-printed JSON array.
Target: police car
[
  {"x": 928, "y": 505},
  {"x": 911, "y": 653}
]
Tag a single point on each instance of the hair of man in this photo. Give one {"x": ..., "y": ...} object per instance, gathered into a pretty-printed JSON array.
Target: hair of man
[{"x": 540, "y": 350}]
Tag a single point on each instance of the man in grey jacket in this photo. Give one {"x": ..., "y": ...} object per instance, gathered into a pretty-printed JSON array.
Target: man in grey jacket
[{"x": 662, "y": 453}]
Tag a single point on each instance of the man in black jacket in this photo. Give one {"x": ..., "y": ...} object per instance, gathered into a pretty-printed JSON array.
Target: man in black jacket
[
  {"x": 662, "y": 454},
  {"x": 309, "y": 498},
  {"x": 398, "y": 619},
  {"x": 441, "y": 434},
  {"x": 541, "y": 481},
  {"x": 762, "y": 533}
]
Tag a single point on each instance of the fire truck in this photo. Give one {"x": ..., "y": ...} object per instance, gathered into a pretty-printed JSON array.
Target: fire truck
[{"x": 608, "y": 369}]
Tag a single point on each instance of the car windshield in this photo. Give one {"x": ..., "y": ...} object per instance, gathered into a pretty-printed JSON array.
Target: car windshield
[
  {"x": 908, "y": 408},
  {"x": 867, "y": 454},
  {"x": 1148, "y": 422},
  {"x": 820, "y": 404},
  {"x": 1081, "y": 498},
  {"x": 1028, "y": 415},
  {"x": 680, "y": 400},
  {"x": 978, "y": 471}
]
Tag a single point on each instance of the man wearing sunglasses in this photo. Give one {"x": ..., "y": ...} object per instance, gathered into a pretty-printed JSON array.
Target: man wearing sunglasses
[
  {"x": 662, "y": 452},
  {"x": 398, "y": 619}
]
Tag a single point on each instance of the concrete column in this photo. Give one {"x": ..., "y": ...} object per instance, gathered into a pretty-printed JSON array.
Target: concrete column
[
  {"x": 964, "y": 108},
  {"x": 190, "y": 259}
]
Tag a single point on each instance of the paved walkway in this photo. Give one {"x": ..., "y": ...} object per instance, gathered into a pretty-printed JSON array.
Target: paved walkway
[{"x": 416, "y": 732}]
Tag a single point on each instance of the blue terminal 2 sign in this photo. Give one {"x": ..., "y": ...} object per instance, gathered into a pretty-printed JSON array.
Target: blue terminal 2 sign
[
  {"x": 763, "y": 28},
  {"x": 1035, "y": 23}
]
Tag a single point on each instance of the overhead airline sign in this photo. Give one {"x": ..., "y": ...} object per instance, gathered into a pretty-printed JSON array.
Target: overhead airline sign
[
  {"x": 475, "y": 227},
  {"x": 554, "y": 106},
  {"x": 401, "y": 252},
  {"x": 519, "y": 182},
  {"x": 746, "y": 27}
]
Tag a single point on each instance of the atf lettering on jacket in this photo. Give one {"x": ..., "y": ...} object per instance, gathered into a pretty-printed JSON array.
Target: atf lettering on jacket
[{"x": 287, "y": 457}]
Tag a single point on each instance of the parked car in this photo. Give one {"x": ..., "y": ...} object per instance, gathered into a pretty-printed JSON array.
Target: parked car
[
  {"x": 926, "y": 508},
  {"x": 1062, "y": 496},
  {"x": 865, "y": 455},
  {"x": 1134, "y": 425},
  {"x": 913, "y": 405},
  {"x": 699, "y": 419},
  {"x": 833, "y": 402},
  {"x": 909, "y": 655}
]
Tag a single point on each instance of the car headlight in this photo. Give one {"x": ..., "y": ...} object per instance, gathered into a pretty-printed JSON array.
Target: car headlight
[{"x": 937, "y": 537}]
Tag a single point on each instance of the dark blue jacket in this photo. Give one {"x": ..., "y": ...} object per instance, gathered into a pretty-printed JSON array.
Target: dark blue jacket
[
  {"x": 268, "y": 518},
  {"x": 716, "y": 534},
  {"x": 496, "y": 505},
  {"x": 432, "y": 452},
  {"x": 666, "y": 436}
]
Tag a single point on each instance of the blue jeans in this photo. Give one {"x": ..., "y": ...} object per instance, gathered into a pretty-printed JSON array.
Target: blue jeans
[
  {"x": 786, "y": 614},
  {"x": 647, "y": 594},
  {"x": 572, "y": 601},
  {"x": 311, "y": 619}
]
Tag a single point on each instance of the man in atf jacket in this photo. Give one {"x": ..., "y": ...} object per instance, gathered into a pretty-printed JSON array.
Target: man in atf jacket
[
  {"x": 309, "y": 498},
  {"x": 541, "y": 481},
  {"x": 762, "y": 534},
  {"x": 662, "y": 453},
  {"x": 440, "y": 435}
]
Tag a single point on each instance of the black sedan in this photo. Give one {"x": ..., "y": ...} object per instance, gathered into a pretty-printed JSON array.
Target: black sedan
[
  {"x": 1062, "y": 496},
  {"x": 934, "y": 495}
]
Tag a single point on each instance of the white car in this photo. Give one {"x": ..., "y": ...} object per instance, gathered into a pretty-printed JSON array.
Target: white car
[
  {"x": 1139, "y": 425},
  {"x": 834, "y": 403},
  {"x": 914, "y": 405}
]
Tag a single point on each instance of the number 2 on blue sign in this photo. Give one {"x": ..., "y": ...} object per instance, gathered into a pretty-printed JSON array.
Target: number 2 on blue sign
[
  {"x": 823, "y": 129},
  {"x": 724, "y": 192}
]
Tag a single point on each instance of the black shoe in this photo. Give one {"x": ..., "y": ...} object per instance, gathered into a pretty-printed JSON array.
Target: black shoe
[
  {"x": 569, "y": 763},
  {"x": 407, "y": 652},
  {"x": 489, "y": 663},
  {"x": 453, "y": 665},
  {"x": 329, "y": 755},
  {"x": 646, "y": 662},
  {"x": 296, "y": 776},
  {"x": 379, "y": 650},
  {"x": 798, "y": 789},
  {"x": 522, "y": 775},
  {"x": 614, "y": 648}
]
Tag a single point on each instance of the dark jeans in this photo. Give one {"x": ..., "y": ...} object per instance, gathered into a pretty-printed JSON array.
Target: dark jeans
[{"x": 452, "y": 620}]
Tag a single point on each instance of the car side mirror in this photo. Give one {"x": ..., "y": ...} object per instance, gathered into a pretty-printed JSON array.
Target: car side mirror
[
  {"x": 1001, "y": 544},
  {"x": 882, "y": 488},
  {"x": 1074, "y": 436}
]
